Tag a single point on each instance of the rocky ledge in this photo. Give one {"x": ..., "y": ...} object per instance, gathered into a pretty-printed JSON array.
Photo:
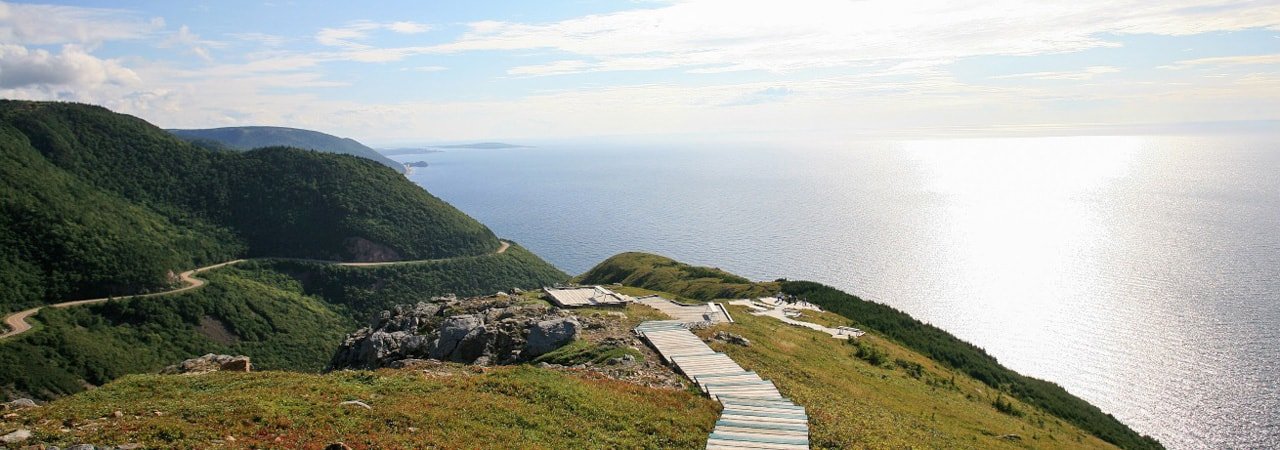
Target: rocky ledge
[
  {"x": 211, "y": 363},
  {"x": 483, "y": 331}
]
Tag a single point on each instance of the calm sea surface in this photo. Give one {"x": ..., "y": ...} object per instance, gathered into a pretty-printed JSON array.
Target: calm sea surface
[{"x": 1142, "y": 274}]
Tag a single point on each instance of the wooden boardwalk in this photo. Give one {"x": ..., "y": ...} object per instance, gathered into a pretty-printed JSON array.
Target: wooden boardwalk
[{"x": 754, "y": 415}]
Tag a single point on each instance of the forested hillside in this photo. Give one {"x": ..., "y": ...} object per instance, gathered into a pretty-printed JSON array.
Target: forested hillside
[
  {"x": 96, "y": 203},
  {"x": 249, "y": 138},
  {"x": 286, "y": 315}
]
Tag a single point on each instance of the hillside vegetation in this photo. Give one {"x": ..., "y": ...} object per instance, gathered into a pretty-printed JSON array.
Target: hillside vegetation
[
  {"x": 249, "y": 138},
  {"x": 96, "y": 203},
  {"x": 286, "y": 315},
  {"x": 1012, "y": 391},
  {"x": 659, "y": 273},
  {"x": 449, "y": 407}
]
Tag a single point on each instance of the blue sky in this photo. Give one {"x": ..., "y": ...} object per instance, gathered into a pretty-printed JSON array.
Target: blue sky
[{"x": 392, "y": 73}]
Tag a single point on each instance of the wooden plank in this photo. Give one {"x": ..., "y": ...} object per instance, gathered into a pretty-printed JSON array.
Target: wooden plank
[
  {"x": 760, "y": 439},
  {"x": 729, "y": 444},
  {"x": 762, "y": 425},
  {"x": 804, "y": 434},
  {"x": 763, "y": 420},
  {"x": 743, "y": 445},
  {"x": 775, "y": 415},
  {"x": 745, "y": 372},
  {"x": 761, "y": 404},
  {"x": 731, "y": 399}
]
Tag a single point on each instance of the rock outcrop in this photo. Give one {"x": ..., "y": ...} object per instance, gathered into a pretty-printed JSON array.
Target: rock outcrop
[
  {"x": 488, "y": 330},
  {"x": 549, "y": 335},
  {"x": 22, "y": 403},
  {"x": 211, "y": 363}
]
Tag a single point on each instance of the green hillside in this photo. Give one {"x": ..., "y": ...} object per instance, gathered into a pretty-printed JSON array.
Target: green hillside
[
  {"x": 640, "y": 270},
  {"x": 286, "y": 315},
  {"x": 249, "y": 138},
  {"x": 97, "y": 203},
  {"x": 665, "y": 274}
]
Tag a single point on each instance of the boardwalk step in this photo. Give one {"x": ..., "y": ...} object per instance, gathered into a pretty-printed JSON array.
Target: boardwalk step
[
  {"x": 791, "y": 434},
  {"x": 760, "y": 438},
  {"x": 745, "y": 372},
  {"x": 731, "y": 400},
  {"x": 779, "y": 415},
  {"x": 762, "y": 425},
  {"x": 719, "y": 444}
]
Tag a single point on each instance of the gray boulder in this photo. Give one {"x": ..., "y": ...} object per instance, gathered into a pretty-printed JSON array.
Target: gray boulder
[
  {"x": 549, "y": 335},
  {"x": 22, "y": 403},
  {"x": 453, "y": 331},
  {"x": 16, "y": 437}
]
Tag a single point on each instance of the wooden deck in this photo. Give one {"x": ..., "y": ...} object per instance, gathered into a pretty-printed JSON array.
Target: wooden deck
[{"x": 754, "y": 415}]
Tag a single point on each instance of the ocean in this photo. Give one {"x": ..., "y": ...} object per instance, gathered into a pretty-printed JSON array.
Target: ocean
[{"x": 1140, "y": 273}]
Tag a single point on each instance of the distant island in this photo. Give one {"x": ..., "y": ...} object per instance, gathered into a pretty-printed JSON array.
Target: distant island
[{"x": 416, "y": 164}]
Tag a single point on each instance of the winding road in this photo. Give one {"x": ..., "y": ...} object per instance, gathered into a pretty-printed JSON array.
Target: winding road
[{"x": 17, "y": 322}]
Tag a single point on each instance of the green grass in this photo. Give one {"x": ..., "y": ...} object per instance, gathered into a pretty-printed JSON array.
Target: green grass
[
  {"x": 660, "y": 273},
  {"x": 513, "y": 407},
  {"x": 855, "y": 404},
  {"x": 582, "y": 352}
]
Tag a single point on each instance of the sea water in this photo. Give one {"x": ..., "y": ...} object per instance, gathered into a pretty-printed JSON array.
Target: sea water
[{"x": 1140, "y": 273}]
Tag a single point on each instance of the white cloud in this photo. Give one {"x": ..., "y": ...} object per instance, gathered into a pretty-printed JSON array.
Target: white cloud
[
  {"x": 192, "y": 42},
  {"x": 408, "y": 27},
  {"x": 348, "y": 36},
  {"x": 726, "y": 35},
  {"x": 21, "y": 67},
  {"x": 26, "y": 24},
  {"x": 426, "y": 69},
  {"x": 1220, "y": 61},
  {"x": 1087, "y": 74},
  {"x": 551, "y": 68},
  {"x": 264, "y": 39}
]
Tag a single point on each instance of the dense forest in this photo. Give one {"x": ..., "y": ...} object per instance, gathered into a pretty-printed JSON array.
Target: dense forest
[
  {"x": 94, "y": 203},
  {"x": 660, "y": 273},
  {"x": 249, "y": 138}
]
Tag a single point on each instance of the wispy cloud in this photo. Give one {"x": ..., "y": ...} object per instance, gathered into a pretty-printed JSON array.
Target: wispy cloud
[
  {"x": 348, "y": 36},
  {"x": 55, "y": 24},
  {"x": 192, "y": 42},
  {"x": 1087, "y": 74},
  {"x": 727, "y": 35},
  {"x": 1219, "y": 61},
  {"x": 426, "y": 69}
]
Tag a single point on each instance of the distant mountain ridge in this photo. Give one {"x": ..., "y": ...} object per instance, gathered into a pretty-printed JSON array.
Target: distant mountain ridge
[{"x": 249, "y": 138}]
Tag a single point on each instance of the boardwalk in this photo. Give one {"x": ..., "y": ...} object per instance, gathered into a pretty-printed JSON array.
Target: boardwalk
[{"x": 754, "y": 415}]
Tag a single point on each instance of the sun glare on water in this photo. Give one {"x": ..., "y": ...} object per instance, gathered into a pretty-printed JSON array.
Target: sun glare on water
[{"x": 1019, "y": 216}]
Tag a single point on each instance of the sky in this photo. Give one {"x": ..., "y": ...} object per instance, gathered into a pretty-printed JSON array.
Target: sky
[{"x": 391, "y": 73}]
